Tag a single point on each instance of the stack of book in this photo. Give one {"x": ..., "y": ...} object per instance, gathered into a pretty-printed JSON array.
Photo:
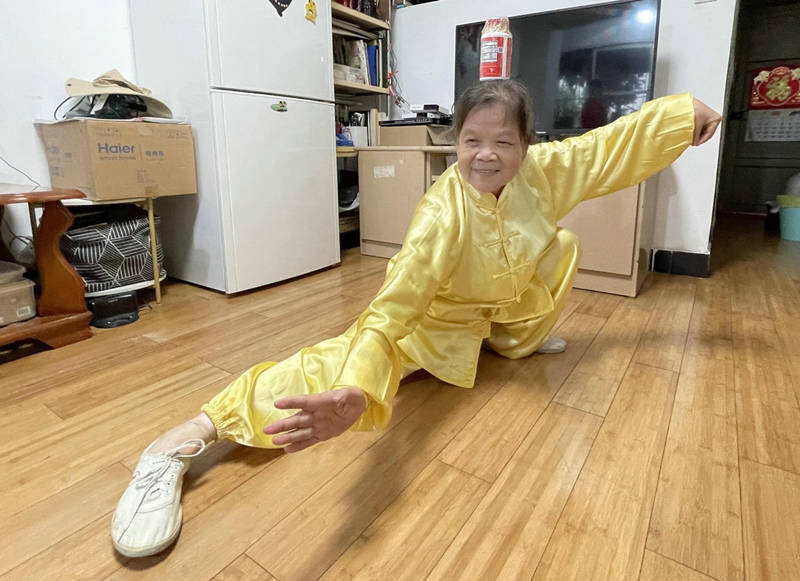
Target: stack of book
[{"x": 359, "y": 49}]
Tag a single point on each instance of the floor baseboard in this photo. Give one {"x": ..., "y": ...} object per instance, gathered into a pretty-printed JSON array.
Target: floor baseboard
[{"x": 677, "y": 262}]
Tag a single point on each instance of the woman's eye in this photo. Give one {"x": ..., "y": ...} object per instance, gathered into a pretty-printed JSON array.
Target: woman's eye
[
  {"x": 472, "y": 141},
  {"x": 504, "y": 142}
]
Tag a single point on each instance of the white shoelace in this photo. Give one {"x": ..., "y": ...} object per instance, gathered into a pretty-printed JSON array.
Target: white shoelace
[{"x": 161, "y": 463}]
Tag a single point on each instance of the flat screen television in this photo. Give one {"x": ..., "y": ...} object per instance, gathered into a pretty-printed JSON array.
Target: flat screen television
[{"x": 584, "y": 67}]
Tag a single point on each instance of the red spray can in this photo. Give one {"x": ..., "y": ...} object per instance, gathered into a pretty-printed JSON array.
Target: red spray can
[{"x": 495, "y": 50}]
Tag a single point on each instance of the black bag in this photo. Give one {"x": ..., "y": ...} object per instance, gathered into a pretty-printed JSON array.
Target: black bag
[{"x": 111, "y": 106}]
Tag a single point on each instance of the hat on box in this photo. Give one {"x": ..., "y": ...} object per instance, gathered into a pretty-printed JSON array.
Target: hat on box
[{"x": 113, "y": 83}]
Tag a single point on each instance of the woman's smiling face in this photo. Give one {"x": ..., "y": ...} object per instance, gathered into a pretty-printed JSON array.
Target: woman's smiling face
[{"x": 490, "y": 149}]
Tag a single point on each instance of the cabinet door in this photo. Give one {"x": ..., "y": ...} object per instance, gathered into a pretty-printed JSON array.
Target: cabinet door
[
  {"x": 390, "y": 183},
  {"x": 253, "y": 48},
  {"x": 607, "y": 230},
  {"x": 277, "y": 173}
]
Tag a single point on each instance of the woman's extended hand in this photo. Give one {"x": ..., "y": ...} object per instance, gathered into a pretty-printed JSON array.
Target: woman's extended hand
[
  {"x": 322, "y": 416},
  {"x": 706, "y": 121}
]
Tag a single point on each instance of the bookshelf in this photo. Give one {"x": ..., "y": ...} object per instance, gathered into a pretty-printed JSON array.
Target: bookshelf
[
  {"x": 345, "y": 151},
  {"x": 354, "y": 16},
  {"x": 359, "y": 88},
  {"x": 360, "y": 37},
  {"x": 349, "y": 25}
]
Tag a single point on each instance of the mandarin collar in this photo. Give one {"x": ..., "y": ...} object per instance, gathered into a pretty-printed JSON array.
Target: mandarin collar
[{"x": 486, "y": 199}]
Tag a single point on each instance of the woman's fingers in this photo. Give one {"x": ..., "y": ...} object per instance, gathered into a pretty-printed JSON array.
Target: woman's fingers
[
  {"x": 698, "y": 130},
  {"x": 292, "y": 403},
  {"x": 708, "y": 131},
  {"x": 309, "y": 402},
  {"x": 293, "y": 437},
  {"x": 301, "y": 419},
  {"x": 706, "y": 121},
  {"x": 321, "y": 417}
]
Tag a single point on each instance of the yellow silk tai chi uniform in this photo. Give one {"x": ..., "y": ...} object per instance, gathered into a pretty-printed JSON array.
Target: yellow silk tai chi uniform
[{"x": 474, "y": 269}]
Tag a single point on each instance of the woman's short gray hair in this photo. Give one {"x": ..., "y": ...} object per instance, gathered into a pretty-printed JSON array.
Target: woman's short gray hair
[{"x": 511, "y": 94}]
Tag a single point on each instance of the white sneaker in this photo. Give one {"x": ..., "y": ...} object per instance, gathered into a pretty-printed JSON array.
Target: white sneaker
[
  {"x": 552, "y": 345},
  {"x": 149, "y": 514}
]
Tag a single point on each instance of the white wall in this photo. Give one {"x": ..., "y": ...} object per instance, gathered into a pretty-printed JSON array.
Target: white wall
[
  {"x": 693, "y": 52},
  {"x": 42, "y": 43},
  {"x": 45, "y": 42},
  {"x": 694, "y": 49}
]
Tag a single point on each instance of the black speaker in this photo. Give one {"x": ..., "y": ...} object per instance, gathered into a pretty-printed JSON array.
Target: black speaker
[{"x": 114, "y": 310}]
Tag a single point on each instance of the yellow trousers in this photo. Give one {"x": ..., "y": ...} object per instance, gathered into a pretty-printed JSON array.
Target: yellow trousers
[
  {"x": 557, "y": 268},
  {"x": 242, "y": 409}
]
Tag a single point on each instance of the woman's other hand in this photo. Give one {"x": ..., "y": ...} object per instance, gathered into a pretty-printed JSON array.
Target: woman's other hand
[
  {"x": 322, "y": 416},
  {"x": 706, "y": 121}
]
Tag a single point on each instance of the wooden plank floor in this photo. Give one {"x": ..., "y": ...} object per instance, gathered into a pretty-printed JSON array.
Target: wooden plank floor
[{"x": 663, "y": 444}]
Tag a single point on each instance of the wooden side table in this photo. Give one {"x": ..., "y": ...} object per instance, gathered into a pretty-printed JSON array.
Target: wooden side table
[{"x": 62, "y": 317}]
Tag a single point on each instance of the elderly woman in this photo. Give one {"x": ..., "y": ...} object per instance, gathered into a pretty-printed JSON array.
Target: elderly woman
[{"x": 483, "y": 264}]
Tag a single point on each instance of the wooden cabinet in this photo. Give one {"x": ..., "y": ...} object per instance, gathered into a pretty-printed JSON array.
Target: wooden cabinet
[
  {"x": 595, "y": 220},
  {"x": 616, "y": 240},
  {"x": 391, "y": 181}
]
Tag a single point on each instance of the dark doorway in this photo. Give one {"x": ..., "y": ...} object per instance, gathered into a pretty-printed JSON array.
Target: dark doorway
[{"x": 754, "y": 172}]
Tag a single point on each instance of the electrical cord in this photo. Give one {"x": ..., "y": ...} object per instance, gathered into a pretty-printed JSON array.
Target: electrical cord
[
  {"x": 394, "y": 82},
  {"x": 26, "y": 241},
  {"x": 78, "y": 101},
  {"x": 16, "y": 169},
  {"x": 55, "y": 111}
]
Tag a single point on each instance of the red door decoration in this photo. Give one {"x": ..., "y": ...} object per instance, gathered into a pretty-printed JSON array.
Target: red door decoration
[
  {"x": 774, "y": 105},
  {"x": 776, "y": 88}
]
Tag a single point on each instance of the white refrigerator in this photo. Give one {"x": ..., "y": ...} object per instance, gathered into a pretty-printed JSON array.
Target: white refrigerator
[{"x": 256, "y": 83}]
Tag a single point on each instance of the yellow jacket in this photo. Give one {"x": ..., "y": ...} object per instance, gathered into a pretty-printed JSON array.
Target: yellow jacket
[{"x": 469, "y": 259}]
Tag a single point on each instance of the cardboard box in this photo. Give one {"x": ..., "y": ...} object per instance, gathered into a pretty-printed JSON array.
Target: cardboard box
[
  {"x": 417, "y": 135},
  {"x": 17, "y": 301},
  {"x": 390, "y": 184},
  {"x": 112, "y": 160}
]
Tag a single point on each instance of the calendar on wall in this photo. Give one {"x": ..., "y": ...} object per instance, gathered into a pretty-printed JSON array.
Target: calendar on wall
[{"x": 774, "y": 105}]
